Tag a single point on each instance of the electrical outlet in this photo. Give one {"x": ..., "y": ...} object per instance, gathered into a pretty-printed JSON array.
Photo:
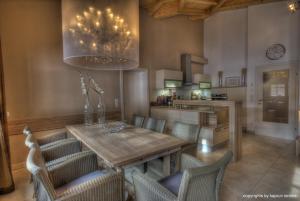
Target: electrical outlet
[{"x": 7, "y": 114}]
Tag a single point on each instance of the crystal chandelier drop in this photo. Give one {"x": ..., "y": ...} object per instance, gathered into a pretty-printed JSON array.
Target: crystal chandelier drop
[{"x": 101, "y": 35}]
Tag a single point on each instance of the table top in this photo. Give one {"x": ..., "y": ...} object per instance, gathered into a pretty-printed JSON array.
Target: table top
[{"x": 126, "y": 147}]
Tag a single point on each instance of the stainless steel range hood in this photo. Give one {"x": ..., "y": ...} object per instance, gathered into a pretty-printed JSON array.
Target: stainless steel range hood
[{"x": 187, "y": 60}]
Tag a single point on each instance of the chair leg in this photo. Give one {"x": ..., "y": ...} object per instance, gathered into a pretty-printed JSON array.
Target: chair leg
[{"x": 145, "y": 169}]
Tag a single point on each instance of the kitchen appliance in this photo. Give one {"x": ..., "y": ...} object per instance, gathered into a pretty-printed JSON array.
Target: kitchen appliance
[
  {"x": 219, "y": 97},
  {"x": 168, "y": 79},
  {"x": 187, "y": 60},
  {"x": 204, "y": 85}
]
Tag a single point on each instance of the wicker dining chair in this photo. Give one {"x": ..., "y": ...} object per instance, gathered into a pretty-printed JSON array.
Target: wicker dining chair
[
  {"x": 195, "y": 181},
  {"x": 49, "y": 140},
  {"x": 187, "y": 132},
  {"x": 76, "y": 179},
  {"x": 137, "y": 121},
  {"x": 55, "y": 151},
  {"x": 157, "y": 125}
]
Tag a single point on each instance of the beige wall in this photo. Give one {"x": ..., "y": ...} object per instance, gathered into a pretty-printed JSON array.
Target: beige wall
[
  {"x": 163, "y": 41},
  {"x": 38, "y": 84}
]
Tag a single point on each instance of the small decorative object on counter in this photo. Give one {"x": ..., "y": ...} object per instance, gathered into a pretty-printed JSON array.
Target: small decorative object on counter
[
  {"x": 244, "y": 77},
  {"x": 298, "y": 145},
  {"x": 118, "y": 127},
  {"x": 101, "y": 104},
  {"x": 88, "y": 110},
  {"x": 220, "y": 76},
  {"x": 194, "y": 95},
  {"x": 174, "y": 96}
]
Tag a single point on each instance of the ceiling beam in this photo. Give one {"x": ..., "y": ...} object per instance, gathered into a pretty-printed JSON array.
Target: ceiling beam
[
  {"x": 199, "y": 17},
  {"x": 191, "y": 11},
  {"x": 165, "y": 15},
  {"x": 233, "y": 6},
  {"x": 195, "y": 9},
  {"x": 217, "y": 7},
  {"x": 203, "y": 2},
  {"x": 158, "y": 5}
]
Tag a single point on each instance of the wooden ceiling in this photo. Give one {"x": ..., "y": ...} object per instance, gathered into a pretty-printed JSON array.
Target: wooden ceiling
[{"x": 195, "y": 9}]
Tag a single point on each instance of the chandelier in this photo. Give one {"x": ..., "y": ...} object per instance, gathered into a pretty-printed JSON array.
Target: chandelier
[{"x": 100, "y": 35}]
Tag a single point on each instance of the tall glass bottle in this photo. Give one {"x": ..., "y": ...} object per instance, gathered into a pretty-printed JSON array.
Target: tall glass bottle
[
  {"x": 88, "y": 112},
  {"x": 101, "y": 111}
]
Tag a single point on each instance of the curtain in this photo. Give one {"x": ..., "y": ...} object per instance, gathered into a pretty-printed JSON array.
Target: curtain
[{"x": 6, "y": 181}]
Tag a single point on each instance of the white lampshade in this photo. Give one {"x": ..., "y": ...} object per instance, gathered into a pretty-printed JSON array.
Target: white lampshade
[{"x": 101, "y": 34}]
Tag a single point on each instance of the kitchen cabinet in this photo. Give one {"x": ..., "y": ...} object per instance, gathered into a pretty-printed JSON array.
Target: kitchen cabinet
[{"x": 168, "y": 79}]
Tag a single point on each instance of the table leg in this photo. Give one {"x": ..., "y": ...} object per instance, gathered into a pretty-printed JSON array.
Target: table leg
[
  {"x": 167, "y": 165},
  {"x": 124, "y": 196},
  {"x": 145, "y": 168},
  {"x": 178, "y": 161}
]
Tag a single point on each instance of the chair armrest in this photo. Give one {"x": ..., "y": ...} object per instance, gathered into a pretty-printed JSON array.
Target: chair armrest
[
  {"x": 45, "y": 146},
  {"x": 63, "y": 148},
  {"x": 147, "y": 189},
  {"x": 51, "y": 138},
  {"x": 105, "y": 188},
  {"x": 188, "y": 162},
  {"x": 73, "y": 168},
  {"x": 65, "y": 158}
]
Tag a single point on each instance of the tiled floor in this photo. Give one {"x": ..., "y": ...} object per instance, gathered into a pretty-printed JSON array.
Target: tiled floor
[
  {"x": 268, "y": 166},
  {"x": 23, "y": 191}
]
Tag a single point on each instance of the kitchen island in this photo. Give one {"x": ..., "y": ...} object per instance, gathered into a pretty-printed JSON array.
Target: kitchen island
[{"x": 219, "y": 120}]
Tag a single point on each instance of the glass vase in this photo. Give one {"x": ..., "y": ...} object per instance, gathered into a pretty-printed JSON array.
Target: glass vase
[
  {"x": 101, "y": 111},
  {"x": 88, "y": 112}
]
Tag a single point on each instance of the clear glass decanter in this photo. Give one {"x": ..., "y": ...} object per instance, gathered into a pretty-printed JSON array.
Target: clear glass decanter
[
  {"x": 101, "y": 111},
  {"x": 88, "y": 112}
]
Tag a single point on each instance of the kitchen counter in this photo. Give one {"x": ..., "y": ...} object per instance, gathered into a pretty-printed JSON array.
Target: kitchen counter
[
  {"x": 218, "y": 103},
  {"x": 192, "y": 111},
  {"x": 199, "y": 109}
]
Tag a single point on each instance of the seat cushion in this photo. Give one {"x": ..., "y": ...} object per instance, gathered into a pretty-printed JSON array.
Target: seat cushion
[
  {"x": 80, "y": 180},
  {"x": 172, "y": 183}
]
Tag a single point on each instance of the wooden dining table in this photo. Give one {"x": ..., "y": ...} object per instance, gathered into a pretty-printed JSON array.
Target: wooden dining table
[{"x": 128, "y": 147}]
